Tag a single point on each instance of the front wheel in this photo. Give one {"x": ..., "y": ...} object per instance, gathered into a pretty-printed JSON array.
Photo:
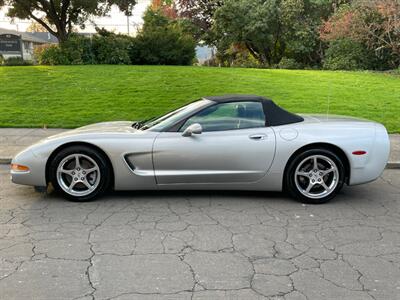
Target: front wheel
[
  {"x": 80, "y": 173},
  {"x": 315, "y": 176}
]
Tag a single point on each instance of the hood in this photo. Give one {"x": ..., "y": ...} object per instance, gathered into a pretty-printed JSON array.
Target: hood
[
  {"x": 118, "y": 126},
  {"x": 106, "y": 131},
  {"x": 98, "y": 128}
]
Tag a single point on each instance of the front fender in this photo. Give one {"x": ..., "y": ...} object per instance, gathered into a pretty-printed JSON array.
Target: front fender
[{"x": 36, "y": 175}]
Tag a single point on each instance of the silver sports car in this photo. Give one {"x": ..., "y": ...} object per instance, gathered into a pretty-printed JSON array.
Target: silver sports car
[{"x": 235, "y": 142}]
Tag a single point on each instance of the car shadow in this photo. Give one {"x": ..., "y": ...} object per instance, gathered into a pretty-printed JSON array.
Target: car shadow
[{"x": 194, "y": 195}]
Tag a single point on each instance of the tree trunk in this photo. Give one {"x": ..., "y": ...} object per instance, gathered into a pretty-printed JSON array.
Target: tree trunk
[
  {"x": 262, "y": 59},
  {"x": 62, "y": 35}
]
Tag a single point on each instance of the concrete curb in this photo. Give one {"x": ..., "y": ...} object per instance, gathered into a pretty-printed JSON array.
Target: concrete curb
[
  {"x": 5, "y": 161},
  {"x": 390, "y": 165},
  {"x": 393, "y": 165}
]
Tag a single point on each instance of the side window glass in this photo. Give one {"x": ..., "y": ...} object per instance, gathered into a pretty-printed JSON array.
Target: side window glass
[{"x": 229, "y": 116}]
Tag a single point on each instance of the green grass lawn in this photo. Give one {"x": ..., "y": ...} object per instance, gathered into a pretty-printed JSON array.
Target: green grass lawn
[{"x": 72, "y": 96}]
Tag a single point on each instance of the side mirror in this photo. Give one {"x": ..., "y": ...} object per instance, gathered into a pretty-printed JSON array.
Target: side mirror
[{"x": 193, "y": 129}]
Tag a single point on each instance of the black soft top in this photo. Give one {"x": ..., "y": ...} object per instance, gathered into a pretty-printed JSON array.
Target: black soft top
[{"x": 274, "y": 114}]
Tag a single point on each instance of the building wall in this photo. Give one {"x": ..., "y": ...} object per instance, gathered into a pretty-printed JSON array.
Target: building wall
[{"x": 27, "y": 51}]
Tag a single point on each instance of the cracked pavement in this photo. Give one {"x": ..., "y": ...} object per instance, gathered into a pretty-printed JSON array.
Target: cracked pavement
[{"x": 200, "y": 245}]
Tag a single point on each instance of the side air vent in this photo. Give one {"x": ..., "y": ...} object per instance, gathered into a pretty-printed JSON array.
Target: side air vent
[{"x": 129, "y": 163}]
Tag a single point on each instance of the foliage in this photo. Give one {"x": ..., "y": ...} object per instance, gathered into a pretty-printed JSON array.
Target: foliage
[
  {"x": 201, "y": 15},
  {"x": 36, "y": 27},
  {"x": 252, "y": 23},
  {"x": 16, "y": 61},
  {"x": 38, "y": 52},
  {"x": 302, "y": 20},
  {"x": 160, "y": 47},
  {"x": 345, "y": 54},
  {"x": 110, "y": 48},
  {"x": 270, "y": 29},
  {"x": 1, "y": 59},
  {"x": 101, "y": 49},
  {"x": 290, "y": 64},
  {"x": 59, "y": 17},
  {"x": 51, "y": 55},
  {"x": 77, "y": 50},
  {"x": 71, "y": 96},
  {"x": 168, "y": 8},
  {"x": 300, "y": 30},
  {"x": 162, "y": 41},
  {"x": 374, "y": 23},
  {"x": 236, "y": 55}
]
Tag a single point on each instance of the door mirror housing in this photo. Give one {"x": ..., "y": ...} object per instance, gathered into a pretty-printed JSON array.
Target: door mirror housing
[{"x": 193, "y": 129}]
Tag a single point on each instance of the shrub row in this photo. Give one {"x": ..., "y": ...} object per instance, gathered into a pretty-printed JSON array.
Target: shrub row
[
  {"x": 14, "y": 61},
  {"x": 340, "y": 54},
  {"x": 163, "y": 46},
  {"x": 345, "y": 54}
]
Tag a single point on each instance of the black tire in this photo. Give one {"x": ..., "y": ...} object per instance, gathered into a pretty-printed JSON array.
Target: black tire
[
  {"x": 101, "y": 161},
  {"x": 290, "y": 178}
]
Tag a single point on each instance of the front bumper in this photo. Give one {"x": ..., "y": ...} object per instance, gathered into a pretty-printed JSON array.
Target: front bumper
[{"x": 36, "y": 176}]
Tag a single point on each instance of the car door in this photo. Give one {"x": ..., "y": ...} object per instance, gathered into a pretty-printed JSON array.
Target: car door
[{"x": 235, "y": 146}]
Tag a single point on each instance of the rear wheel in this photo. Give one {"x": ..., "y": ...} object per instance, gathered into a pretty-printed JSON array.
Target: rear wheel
[
  {"x": 80, "y": 173},
  {"x": 315, "y": 176}
]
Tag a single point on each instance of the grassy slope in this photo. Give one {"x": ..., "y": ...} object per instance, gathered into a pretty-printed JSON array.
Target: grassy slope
[{"x": 77, "y": 95}]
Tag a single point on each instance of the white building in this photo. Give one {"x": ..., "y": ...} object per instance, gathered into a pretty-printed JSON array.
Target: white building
[{"x": 20, "y": 44}]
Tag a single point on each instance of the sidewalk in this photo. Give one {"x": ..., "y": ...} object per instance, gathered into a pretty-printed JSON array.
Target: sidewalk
[{"x": 13, "y": 140}]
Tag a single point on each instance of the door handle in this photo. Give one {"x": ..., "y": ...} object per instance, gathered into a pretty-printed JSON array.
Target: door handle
[{"x": 258, "y": 137}]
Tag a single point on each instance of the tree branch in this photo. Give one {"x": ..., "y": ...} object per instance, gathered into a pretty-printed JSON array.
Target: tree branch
[
  {"x": 41, "y": 22},
  {"x": 64, "y": 9}
]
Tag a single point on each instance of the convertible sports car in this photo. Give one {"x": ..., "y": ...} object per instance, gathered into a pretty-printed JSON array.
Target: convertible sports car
[{"x": 235, "y": 142}]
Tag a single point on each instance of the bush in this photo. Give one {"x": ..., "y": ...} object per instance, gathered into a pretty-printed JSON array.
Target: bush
[
  {"x": 38, "y": 52},
  {"x": 1, "y": 59},
  {"x": 240, "y": 57},
  {"x": 110, "y": 48},
  {"x": 52, "y": 55},
  {"x": 162, "y": 42},
  {"x": 162, "y": 47},
  {"x": 246, "y": 62},
  {"x": 17, "y": 61},
  {"x": 105, "y": 48},
  {"x": 345, "y": 54},
  {"x": 78, "y": 50},
  {"x": 290, "y": 64}
]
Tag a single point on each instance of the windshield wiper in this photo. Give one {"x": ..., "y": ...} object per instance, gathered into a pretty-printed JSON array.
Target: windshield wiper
[{"x": 138, "y": 124}]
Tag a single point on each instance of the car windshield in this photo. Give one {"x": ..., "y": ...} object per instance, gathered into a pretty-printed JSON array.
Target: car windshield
[{"x": 158, "y": 124}]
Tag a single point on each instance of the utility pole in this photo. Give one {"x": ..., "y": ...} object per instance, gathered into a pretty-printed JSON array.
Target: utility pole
[{"x": 127, "y": 23}]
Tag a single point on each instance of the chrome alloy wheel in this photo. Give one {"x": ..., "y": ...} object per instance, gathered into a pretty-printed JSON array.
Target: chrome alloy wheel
[
  {"x": 316, "y": 176},
  {"x": 78, "y": 175}
]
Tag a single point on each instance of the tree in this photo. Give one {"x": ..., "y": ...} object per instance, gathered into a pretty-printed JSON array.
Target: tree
[
  {"x": 375, "y": 23},
  {"x": 167, "y": 8},
  {"x": 201, "y": 15},
  {"x": 59, "y": 16},
  {"x": 36, "y": 27},
  {"x": 301, "y": 20},
  {"x": 269, "y": 29},
  {"x": 346, "y": 54},
  {"x": 162, "y": 41}
]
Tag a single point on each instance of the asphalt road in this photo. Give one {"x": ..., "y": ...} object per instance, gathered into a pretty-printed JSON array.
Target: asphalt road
[{"x": 201, "y": 245}]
